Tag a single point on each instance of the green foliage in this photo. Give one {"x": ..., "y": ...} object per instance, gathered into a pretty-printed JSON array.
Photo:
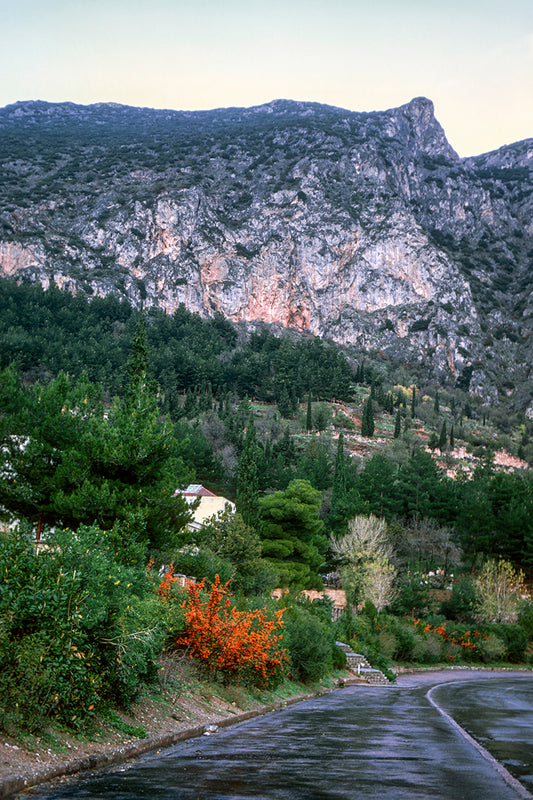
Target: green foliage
[
  {"x": 291, "y": 534},
  {"x": 367, "y": 422},
  {"x": 236, "y": 543},
  {"x": 525, "y": 617},
  {"x": 68, "y": 460},
  {"x": 248, "y": 477},
  {"x": 80, "y": 626},
  {"x": 202, "y": 562},
  {"x": 398, "y": 424},
  {"x": 514, "y": 638},
  {"x": 309, "y": 415},
  {"x": 309, "y": 643},
  {"x": 461, "y": 605},
  {"x": 499, "y": 588},
  {"x": 43, "y": 332},
  {"x": 338, "y": 494},
  {"x": 412, "y": 594},
  {"x": 120, "y": 725}
]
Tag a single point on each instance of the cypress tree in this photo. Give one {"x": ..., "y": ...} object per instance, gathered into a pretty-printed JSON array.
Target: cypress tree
[
  {"x": 248, "y": 478},
  {"x": 452, "y": 438},
  {"x": 398, "y": 424},
  {"x": 443, "y": 437},
  {"x": 433, "y": 441},
  {"x": 190, "y": 406},
  {"x": 339, "y": 475},
  {"x": 436, "y": 404},
  {"x": 367, "y": 421},
  {"x": 309, "y": 415},
  {"x": 413, "y": 402}
]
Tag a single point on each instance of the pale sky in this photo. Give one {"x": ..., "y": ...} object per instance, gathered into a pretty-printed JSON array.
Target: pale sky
[{"x": 473, "y": 58}]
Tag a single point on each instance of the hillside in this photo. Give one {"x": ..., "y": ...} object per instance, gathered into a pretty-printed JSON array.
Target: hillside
[{"x": 363, "y": 228}]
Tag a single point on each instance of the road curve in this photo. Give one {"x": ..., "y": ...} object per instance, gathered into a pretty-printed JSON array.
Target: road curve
[{"x": 391, "y": 743}]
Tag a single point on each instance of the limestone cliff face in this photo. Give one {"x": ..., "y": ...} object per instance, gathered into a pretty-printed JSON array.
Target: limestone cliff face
[{"x": 367, "y": 229}]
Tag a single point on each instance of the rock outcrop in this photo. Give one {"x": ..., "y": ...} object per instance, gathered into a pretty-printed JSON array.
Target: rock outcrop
[{"x": 364, "y": 228}]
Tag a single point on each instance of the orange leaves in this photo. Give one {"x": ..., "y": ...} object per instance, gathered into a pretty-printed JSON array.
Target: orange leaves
[{"x": 237, "y": 646}]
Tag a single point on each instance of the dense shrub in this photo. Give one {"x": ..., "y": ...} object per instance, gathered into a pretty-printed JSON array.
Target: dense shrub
[
  {"x": 202, "y": 562},
  {"x": 491, "y": 648},
  {"x": 80, "y": 625},
  {"x": 514, "y": 638},
  {"x": 525, "y": 618},
  {"x": 310, "y": 644},
  {"x": 461, "y": 604},
  {"x": 240, "y": 647}
]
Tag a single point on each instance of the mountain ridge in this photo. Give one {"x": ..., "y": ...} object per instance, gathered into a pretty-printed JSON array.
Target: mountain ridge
[{"x": 365, "y": 228}]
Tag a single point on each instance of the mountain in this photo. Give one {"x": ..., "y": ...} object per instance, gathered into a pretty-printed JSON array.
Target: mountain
[{"x": 364, "y": 228}]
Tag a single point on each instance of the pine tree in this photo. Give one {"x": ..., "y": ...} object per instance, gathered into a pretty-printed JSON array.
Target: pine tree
[
  {"x": 190, "y": 406},
  {"x": 284, "y": 403},
  {"x": 139, "y": 359}
]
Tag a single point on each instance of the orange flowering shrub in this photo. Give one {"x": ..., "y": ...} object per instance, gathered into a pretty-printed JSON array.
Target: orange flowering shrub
[
  {"x": 164, "y": 590},
  {"x": 467, "y": 640},
  {"x": 241, "y": 647}
]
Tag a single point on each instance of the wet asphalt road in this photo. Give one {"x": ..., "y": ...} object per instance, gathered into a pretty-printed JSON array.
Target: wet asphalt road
[{"x": 389, "y": 743}]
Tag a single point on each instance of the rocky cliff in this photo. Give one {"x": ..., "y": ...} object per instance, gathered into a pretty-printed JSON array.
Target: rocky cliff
[{"x": 365, "y": 228}]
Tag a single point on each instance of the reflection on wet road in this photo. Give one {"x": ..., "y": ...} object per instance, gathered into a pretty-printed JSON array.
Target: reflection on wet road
[
  {"x": 389, "y": 743},
  {"x": 499, "y": 715}
]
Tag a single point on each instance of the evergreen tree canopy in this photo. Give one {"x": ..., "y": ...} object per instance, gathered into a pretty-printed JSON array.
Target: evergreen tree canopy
[
  {"x": 292, "y": 537},
  {"x": 68, "y": 461},
  {"x": 367, "y": 421},
  {"x": 248, "y": 477}
]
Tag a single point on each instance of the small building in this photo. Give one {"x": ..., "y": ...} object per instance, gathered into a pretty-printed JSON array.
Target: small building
[{"x": 209, "y": 505}]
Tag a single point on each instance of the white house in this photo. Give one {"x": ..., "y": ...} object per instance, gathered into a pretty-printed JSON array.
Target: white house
[{"x": 210, "y": 504}]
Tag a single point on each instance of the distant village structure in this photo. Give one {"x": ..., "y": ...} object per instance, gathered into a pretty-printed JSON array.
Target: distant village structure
[{"x": 210, "y": 504}]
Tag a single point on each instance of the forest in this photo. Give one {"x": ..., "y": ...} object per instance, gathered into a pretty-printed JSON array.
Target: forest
[{"x": 107, "y": 412}]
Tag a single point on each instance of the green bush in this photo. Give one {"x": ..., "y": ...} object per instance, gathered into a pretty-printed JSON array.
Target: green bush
[
  {"x": 491, "y": 648},
  {"x": 404, "y": 633},
  {"x": 201, "y": 562},
  {"x": 461, "y": 604},
  {"x": 514, "y": 638},
  {"x": 80, "y": 626},
  {"x": 525, "y": 618},
  {"x": 413, "y": 595},
  {"x": 427, "y": 648},
  {"x": 309, "y": 643}
]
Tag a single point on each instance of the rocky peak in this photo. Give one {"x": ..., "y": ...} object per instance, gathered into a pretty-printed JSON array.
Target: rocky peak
[
  {"x": 418, "y": 126},
  {"x": 365, "y": 228}
]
